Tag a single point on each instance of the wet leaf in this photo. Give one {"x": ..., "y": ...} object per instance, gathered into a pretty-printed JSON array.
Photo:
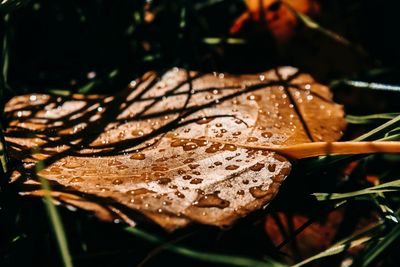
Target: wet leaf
[{"x": 166, "y": 146}]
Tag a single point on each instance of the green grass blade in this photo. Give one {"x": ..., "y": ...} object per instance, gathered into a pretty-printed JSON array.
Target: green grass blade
[
  {"x": 87, "y": 87},
  {"x": 203, "y": 256},
  {"x": 3, "y": 158},
  {"x": 217, "y": 41},
  {"x": 373, "y": 252},
  {"x": 380, "y": 131},
  {"x": 354, "y": 240},
  {"x": 392, "y": 186},
  {"x": 370, "y": 118},
  {"x": 55, "y": 220},
  {"x": 336, "y": 249},
  {"x": 3, "y": 87}
]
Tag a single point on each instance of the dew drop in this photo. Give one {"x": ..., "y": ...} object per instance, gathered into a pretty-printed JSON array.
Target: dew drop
[
  {"x": 231, "y": 167},
  {"x": 157, "y": 174},
  {"x": 138, "y": 156},
  {"x": 137, "y": 133},
  {"x": 254, "y": 97},
  {"x": 72, "y": 165},
  {"x": 114, "y": 162},
  {"x": 139, "y": 191},
  {"x": 229, "y": 147},
  {"x": 257, "y": 192},
  {"x": 240, "y": 192},
  {"x": 266, "y": 134},
  {"x": 179, "y": 194},
  {"x": 117, "y": 181},
  {"x": 272, "y": 167},
  {"x": 204, "y": 121},
  {"x": 212, "y": 201},
  {"x": 188, "y": 160},
  {"x": 189, "y": 146},
  {"x": 196, "y": 181},
  {"x": 252, "y": 139},
  {"x": 193, "y": 166},
  {"x": 257, "y": 167},
  {"x": 76, "y": 180},
  {"x": 213, "y": 148},
  {"x": 164, "y": 181},
  {"x": 187, "y": 177},
  {"x": 32, "y": 98},
  {"x": 200, "y": 192},
  {"x": 160, "y": 168}
]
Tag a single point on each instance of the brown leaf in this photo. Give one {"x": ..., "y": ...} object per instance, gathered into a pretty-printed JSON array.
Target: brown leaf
[
  {"x": 275, "y": 17},
  {"x": 316, "y": 237},
  {"x": 165, "y": 146}
]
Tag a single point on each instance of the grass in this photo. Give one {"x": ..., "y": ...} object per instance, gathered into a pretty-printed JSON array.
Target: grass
[
  {"x": 54, "y": 218},
  {"x": 117, "y": 42}
]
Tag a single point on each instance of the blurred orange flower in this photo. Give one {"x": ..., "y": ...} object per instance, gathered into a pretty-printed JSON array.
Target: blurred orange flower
[{"x": 275, "y": 16}]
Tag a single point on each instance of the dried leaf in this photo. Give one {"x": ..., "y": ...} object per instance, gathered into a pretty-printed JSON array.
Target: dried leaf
[
  {"x": 165, "y": 146},
  {"x": 275, "y": 16},
  {"x": 315, "y": 237}
]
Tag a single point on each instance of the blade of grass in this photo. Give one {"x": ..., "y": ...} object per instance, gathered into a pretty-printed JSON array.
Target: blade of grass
[
  {"x": 336, "y": 249},
  {"x": 370, "y": 118},
  {"x": 362, "y": 237},
  {"x": 54, "y": 217},
  {"x": 87, "y": 87},
  {"x": 217, "y": 40},
  {"x": 6, "y": 6},
  {"x": 374, "y": 251},
  {"x": 365, "y": 236},
  {"x": 60, "y": 92},
  {"x": 203, "y": 256},
  {"x": 381, "y": 130},
  {"x": 371, "y": 85},
  {"x": 392, "y": 186},
  {"x": 3, "y": 88}
]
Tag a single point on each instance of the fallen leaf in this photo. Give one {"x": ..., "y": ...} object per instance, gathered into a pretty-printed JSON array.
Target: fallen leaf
[
  {"x": 275, "y": 17},
  {"x": 314, "y": 238},
  {"x": 165, "y": 146}
]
